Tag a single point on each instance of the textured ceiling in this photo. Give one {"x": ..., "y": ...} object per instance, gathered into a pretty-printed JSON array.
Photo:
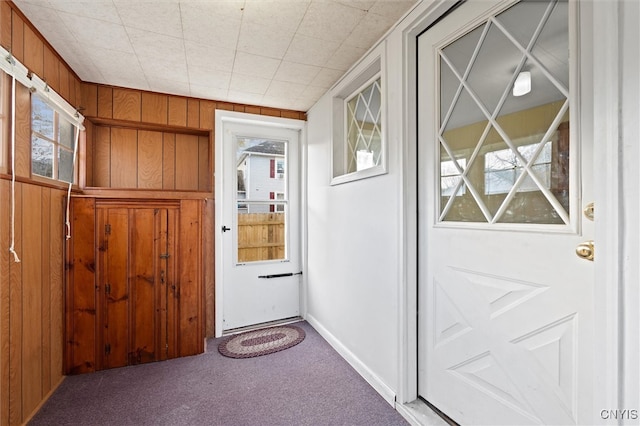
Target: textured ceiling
[{"x": 277, "y": 53}]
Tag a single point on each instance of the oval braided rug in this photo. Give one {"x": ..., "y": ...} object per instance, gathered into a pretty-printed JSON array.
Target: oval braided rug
[{"x": 261, "y": 342}]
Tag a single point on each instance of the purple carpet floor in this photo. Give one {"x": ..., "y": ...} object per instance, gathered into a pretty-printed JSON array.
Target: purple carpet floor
[{"x": 308, "y": 384}]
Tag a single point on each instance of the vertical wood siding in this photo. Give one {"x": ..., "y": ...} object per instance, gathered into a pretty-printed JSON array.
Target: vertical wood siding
[{"x": 31, "y": 292}]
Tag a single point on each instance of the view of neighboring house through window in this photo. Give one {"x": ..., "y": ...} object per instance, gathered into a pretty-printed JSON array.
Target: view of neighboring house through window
[
  {"x": 261, "y": 169},
  {"x": 52, "y": 142}
]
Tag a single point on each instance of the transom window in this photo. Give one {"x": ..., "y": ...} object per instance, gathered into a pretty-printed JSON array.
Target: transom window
[{"x": 52, "y": 142}]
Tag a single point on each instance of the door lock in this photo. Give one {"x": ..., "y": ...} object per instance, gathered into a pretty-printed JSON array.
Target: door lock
[{"x": 586, "y": 250}]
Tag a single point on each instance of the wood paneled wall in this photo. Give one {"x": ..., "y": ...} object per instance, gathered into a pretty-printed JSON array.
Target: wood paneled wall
[
  {"x": 31, "y": 311},
  {"x": 31, "y": 299},
  {"x": 148, "y": 159}
]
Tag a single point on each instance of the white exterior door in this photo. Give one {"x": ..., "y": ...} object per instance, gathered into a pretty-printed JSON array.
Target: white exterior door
[
  {"x": 505, "y": 305},
  {"x": 258, "y": 221}
]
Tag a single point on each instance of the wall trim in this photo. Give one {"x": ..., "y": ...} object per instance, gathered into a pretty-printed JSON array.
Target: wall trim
[{"x": 376, "y": 382}]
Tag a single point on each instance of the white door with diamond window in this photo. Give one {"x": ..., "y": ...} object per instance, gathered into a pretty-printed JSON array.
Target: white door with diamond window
[{"x": 506, "y": 305}]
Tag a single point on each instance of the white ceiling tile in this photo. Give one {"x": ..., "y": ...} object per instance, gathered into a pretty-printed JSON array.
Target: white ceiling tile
[
  {"x": 162, "y": 18},
  {"x": 359, "y": 4},
  {"x": 208, "y": 92},
  {"x": 170, "y": 87},
  {"x": 245, "y": 98},
  {"x": 249, "y": 84},
  {"x": 258, "y": 66},
  {"x": 330, "y": 21},
  {"x": 208, "y": 77},
  {"x": 93, "y": 32},
  {"x": 214, "y": 8},
  {"x": 207, "y": 56},
  {"x": 264, "y": 40},
  {"x": 152, "y": 45},
  {"x": 111, "y": 63},
  {"x": 282, "y": 89},
  {"x": 296, "y": 73},
  {"x": 201, "y": 23},
  {"x": 368, "y": 31},
  {"x": 345, "y": 57},
  {"x": 161, "y": 69},
  {"x": 310, "y": 51},
  {"x": 100, "y": 10},
  {"x": 285, "y": 14},
  {"x": 313, "y": 92},
  {"x": 392, "y": 9},
  {"x": 326, "y": 77}
]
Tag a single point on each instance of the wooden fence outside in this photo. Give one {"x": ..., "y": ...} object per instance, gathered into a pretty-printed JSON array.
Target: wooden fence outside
[{"x": 260, "y": 237}]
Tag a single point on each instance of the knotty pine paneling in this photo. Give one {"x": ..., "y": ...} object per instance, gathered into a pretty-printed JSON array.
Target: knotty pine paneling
[
  {"x": 154, "y": 108},
  {"x": 105, "y": 102},
  {"x": 149, "y": 159},
  {"x": 187, "y": 151},
  {"x": 63, "y": 87},
  {"x": 82, "y": 307},
  {"x": 190, "y": 271},
  {"x": 124, "y": 158},
  {"x": 207, "y": 112},
  {"x": 33, "y": 52},
  {"x": 209, "y": 266}
]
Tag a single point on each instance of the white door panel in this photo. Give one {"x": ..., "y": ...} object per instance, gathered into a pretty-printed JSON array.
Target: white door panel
[
  {"x": 506, "y": 306},
  {"x": 259, "y": 223}
]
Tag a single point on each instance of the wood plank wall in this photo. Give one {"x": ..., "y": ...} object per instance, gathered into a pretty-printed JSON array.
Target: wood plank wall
[
  {"x": 31, "y": 308},
  {"x": 31, "y": 292}
]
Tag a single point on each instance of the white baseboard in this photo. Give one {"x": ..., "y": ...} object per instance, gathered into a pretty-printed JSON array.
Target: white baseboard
[{"x": 385, "y": 391}]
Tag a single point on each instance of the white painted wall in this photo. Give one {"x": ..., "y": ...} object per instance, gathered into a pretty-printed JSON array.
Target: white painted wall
[{"x": 360, "y": 273}]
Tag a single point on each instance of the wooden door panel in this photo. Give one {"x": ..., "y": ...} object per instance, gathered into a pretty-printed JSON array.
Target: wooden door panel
[
  {"x": 145, "y": 227},
  {"x": 116, "y": 324}
]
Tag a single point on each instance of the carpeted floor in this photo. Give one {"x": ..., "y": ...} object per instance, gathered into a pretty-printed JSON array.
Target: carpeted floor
[{"x": 308, "y": 384}]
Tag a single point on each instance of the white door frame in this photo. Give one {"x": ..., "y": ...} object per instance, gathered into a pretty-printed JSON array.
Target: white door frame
[
  {"x": 608, "y": 233},
  {"x": 222, "y": 117}
]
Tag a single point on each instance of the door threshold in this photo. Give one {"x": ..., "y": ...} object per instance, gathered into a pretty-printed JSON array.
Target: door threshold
[{"x": 283, "y": 321}]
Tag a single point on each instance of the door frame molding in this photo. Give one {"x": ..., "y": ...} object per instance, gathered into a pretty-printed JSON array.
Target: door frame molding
[
  {"x": 222, "y": 118},
  {"x": 608, "y": 314}
]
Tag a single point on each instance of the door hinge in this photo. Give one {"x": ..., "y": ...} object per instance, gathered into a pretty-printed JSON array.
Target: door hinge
[
  {"x": 107, "y": 288},
  {"x": 165, "y": 256},
  {"x": 107, "y": 229},
  {"x": 107, "y": 349}
]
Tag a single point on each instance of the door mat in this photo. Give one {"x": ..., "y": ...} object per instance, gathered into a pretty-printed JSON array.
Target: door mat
[{"x": 261, "y": 342}]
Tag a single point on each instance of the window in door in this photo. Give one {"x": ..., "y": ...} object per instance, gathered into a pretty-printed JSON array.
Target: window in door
[{"x": 508, "y": 118}]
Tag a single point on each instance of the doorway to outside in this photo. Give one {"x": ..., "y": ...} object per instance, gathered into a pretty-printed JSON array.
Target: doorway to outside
[{"x": 257, "y": 232}]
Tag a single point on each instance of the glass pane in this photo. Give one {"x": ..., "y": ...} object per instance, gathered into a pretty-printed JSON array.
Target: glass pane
[
  {"x": 261, "y": 231},
  {"x": 66, "y": 133},
  {"x": 41, "y": 117},
  {"x": 65, "y": 165},
  {"x": 261, "y": 166},
  {"x": 364, "y": 129},
  {"x": 523, "y": 136},
  {"x": 41, "y": 157}
]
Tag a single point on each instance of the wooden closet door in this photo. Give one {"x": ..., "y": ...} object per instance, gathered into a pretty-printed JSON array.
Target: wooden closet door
[{"x": 114, "y": 223}]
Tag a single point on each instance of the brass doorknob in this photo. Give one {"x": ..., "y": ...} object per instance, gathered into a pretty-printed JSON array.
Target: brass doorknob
[{"x": 586, "y": 250}]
